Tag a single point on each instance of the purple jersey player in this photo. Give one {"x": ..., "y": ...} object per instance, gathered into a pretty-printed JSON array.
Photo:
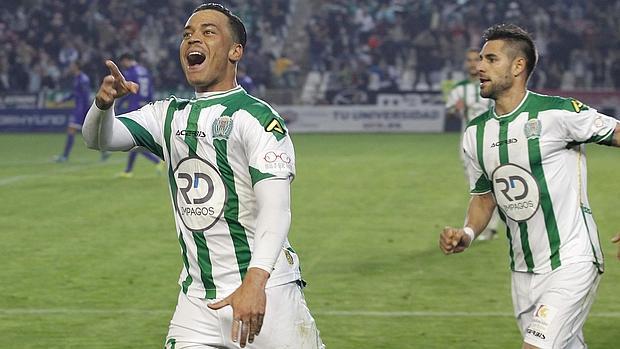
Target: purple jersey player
[
  {"x": 81, "y": 95},
  {"x": 140, "y": 75}
]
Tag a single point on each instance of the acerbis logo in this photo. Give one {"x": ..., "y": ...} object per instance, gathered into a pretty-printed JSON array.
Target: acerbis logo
[
  {"x": 507, "y": 141},
  {"x": 191, "y": 133},
  {"x": 516, "y": 192},
  {"x": 536, "y": 333},
  {"x": 201, "y": 193}
]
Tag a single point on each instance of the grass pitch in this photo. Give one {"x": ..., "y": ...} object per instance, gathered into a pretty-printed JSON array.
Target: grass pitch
[{"x": 88, "y": 260}]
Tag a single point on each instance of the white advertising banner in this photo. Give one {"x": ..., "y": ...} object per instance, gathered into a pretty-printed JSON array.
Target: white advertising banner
[{"x": 363, "y": 118}]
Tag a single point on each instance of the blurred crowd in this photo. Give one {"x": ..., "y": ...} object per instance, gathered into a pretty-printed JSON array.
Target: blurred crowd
[
  {"x": 358, "y": 44},
  {"x": 40, "y": 38},
  {"x": 416, "y": 44}
]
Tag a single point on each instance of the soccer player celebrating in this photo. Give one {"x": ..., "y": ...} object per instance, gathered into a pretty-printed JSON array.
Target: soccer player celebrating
[
  {"x": 230, "y": 163},
  {"x": 464, "y": 101},
  {"x": 132, "y": 71},
  {"x": 526, "y": 156}
]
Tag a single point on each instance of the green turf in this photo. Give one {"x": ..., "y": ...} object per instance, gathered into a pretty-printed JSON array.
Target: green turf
[{"x": 91, "y": 261}]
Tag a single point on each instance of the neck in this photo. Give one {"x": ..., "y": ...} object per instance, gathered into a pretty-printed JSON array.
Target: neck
[
  {"x": 509, "y": 100},
  {"x": 218, "y": 86}
]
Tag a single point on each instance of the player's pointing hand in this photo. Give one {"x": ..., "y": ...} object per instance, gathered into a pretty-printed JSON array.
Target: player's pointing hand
[
  {"x": 113, "y": 86},
  {"x": 453, "y": 240}
]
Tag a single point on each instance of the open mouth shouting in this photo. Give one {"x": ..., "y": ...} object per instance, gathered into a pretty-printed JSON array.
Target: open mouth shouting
[{"x": 196, "y": 60}]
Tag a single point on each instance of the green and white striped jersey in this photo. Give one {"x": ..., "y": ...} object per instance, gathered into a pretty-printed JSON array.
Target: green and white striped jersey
[
  {"x": 217, "y": 146},
  {"x": 469, "y": 92},
  {"x": 533, "y": 160}
]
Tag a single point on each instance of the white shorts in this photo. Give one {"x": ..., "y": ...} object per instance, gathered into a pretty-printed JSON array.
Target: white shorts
[
  {"x": 287, "y": 323},
  {"x": 551, "y": 308}
]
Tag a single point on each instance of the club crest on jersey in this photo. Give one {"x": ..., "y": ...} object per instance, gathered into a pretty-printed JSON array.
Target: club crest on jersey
[
  {"x": 222, "y": 127},
  {"x": 532, "y": 129}
]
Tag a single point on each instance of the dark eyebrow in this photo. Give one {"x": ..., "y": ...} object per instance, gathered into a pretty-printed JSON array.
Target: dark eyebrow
[
  {"x": 489, "y": 55},
  {"x": 203, "y": 25}
]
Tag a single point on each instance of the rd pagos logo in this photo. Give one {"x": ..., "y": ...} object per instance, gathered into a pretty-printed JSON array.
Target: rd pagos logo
[
  {"x": 516, "y": 192},
  {"x": 201, "y": 193}
]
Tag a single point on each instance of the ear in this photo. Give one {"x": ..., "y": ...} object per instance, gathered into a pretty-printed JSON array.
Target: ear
[
  {"x": 235, "y": 53},
  {"x": 518, "y": 66}
]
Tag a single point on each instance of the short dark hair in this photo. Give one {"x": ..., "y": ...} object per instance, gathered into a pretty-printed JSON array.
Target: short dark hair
[
  {"x": 238, "y": 29},
  {"x": 518, "y": 39},
  {"x": 127, "y": 55}
]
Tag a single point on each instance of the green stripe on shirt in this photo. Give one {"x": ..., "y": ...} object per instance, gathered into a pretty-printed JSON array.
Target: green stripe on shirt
[{"x": 545, "y": 198}]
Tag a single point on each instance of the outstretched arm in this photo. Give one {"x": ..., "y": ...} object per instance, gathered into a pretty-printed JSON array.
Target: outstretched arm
[
  {"x": 455, "y": 240},
  {"x": 101, "y": 129}
]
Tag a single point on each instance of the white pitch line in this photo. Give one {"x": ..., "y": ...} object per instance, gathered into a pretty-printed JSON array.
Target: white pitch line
[
  {"x": 19, "y": 178},
  {"x": 342, "y": 313}
]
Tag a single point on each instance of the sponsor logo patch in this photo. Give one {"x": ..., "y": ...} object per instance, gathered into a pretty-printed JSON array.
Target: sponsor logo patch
[
  {"x": 201, "y": 194},
  {"x": 289, "y": 257},
  {"x": 516, "y": 192},
  {"x": 272, "y": 161},
  {"x": 275, "y": 126},
  {"x": 577, "y": 105},
  {"x": 543, "y": 316},
  {"x": 191, "y": 133},
  {"x": 507, "y": 141}
]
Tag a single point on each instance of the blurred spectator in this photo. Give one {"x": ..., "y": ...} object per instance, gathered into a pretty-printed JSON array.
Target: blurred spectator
[
  {"x": 423, "y": 40},
  {"x": 408, "y": 44},
  {"x": 41, "y": 38},
  {"x": 285, "y": 71}
]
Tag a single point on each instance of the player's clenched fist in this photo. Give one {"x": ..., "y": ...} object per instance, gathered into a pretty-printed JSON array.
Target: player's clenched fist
[
  {"x": 616, "y": 239},
  {"x": 113, "y": 86},
  {"x": 453, "y": 240}
]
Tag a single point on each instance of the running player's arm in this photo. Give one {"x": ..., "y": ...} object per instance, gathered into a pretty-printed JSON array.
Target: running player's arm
[
  {"x": 479, "y": 212},
  {"x": 481, "y": 205},
  {"x": 616, "y": 239},
  {"x": 616, "y": 138}
]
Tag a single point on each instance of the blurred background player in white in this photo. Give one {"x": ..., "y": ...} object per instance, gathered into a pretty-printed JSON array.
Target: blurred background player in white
[
  {"x": 81, "y": 95},
  {"x": 527, "y": 156},
  {"x": 230, "y": 164},
  {"x": 464, "y": 101},
  {"x": 132, "y": 71}
]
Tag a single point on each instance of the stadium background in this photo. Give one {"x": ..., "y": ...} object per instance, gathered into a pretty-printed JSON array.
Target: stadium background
[{"x": 87, "y": 260}]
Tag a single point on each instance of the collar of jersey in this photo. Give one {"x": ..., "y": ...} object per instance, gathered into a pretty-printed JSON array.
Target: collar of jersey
[
  {"x": 515, "y": 111},
  {"x": 218, "y": 94}
]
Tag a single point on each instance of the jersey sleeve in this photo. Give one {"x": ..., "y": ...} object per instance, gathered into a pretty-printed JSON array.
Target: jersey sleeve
[
  {"x": 145, "y": 125},
  {"x": 268, "y": 147},
  {"x": 479, "y": 183},
  {"x": 586, "y": 125}
]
